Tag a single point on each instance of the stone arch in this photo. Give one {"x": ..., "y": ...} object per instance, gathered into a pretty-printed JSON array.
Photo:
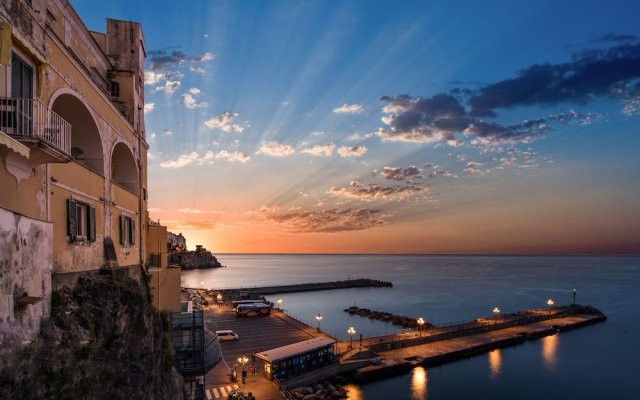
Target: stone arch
[
  {"x": 124, "y": 170},
  {"x": 86, "y": 142}
]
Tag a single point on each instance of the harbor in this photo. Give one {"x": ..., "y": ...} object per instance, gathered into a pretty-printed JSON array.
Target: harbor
[{"x": 373, "y": 358}]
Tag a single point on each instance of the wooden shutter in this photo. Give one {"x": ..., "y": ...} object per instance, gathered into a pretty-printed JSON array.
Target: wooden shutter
[
  {"x": 72, "y": 221},
  {"x": 91, "y": 229},
  {"x": 132, "y": 231},
  {"x": 122, "y": 230}
]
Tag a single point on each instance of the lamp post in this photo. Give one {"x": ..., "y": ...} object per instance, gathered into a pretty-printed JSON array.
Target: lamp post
[
  {"x": 279, "y": 301},
  {"x": 574, "y": 297},
  {"x": 243, "y": 360},
  {"x": 201, "y": 284},
  {"x": 319, "y": 318},
  {"x": 420, "y": 323},
  {"x": 496, "y": 311},
  {"x": 219, "y": 298},
  {"x": 550, "y": 304},
  {"x": 351, "y": 331}
]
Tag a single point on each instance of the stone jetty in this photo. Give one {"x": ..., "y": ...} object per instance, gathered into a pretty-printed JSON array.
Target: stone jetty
[
  {"x": 253, "y": 292},
  {"x": 399, "y": 320}
]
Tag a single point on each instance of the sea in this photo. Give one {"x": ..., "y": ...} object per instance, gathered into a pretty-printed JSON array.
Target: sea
[{"x": 601, "y": 361}]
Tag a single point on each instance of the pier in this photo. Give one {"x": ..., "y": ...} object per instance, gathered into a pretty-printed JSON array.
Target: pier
[
  {"x": 252, "y": 292},
  {"x": 394, "y": 354},
  {"x": 382, "y": 356}
]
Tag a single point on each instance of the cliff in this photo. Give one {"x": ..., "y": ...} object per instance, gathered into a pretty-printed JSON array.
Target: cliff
[
  {"x": 103, "y": 341},
  {"x": 200, "y": 258}
]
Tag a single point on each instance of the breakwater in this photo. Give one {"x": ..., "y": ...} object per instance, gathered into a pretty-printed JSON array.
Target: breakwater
[
  {"x": 399, "y": 320},
  {"x": 251, "y": 292},
  {"x": 399, "y": 353}
]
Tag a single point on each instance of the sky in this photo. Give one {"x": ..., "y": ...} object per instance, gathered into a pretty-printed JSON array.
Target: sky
[{"x": 362, "y": 126}]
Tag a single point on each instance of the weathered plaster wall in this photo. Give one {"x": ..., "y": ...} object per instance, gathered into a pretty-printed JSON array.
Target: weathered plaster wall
[
  {"x": 26, "y": 254},
  {"x": 12, "y": 194}
]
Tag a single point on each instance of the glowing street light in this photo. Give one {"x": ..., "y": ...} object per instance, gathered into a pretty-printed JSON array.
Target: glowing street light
[
  {"x": 243, "y": 360},
  {"x": 319, "y": 318},
  {"x": 279, "y": 301},
  {"x": 351, "y": 331},
  {"x": 202, "y": 284},
  {"x": 550, "y": 304},
  {"x": 420, "y": 323},
  {"x": 496, "y": 311}
]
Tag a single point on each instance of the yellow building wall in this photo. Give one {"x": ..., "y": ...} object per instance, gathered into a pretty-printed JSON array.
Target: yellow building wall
[
  {"x": 126, "y": 203},
  {"x": 29, "y": 197},
  {"x": 164, "y": 281}
]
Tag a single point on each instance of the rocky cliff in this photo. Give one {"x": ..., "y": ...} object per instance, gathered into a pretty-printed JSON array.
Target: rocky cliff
[{"x": 103, "y": 341}]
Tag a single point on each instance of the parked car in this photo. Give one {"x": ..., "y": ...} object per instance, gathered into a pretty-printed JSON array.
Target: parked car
[{"x": 227, "y": 335}]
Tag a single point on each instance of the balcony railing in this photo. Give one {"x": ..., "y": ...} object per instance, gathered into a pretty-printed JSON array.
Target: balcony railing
[{"x": 30, "y": 118}]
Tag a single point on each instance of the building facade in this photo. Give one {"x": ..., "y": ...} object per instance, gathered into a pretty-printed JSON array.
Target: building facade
[{"x": 73, "y": 154}]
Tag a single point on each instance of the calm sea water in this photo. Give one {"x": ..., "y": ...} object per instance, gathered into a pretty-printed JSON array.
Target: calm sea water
[{"x": 597, "y": 362}]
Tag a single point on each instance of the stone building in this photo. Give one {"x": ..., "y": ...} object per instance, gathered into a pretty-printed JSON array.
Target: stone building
[{"x": 73, "y": 154}]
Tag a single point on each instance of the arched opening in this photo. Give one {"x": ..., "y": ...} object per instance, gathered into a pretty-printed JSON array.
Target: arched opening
[
  {"x": 86, "y": 144},
  {"x": 124, "y": 171}
]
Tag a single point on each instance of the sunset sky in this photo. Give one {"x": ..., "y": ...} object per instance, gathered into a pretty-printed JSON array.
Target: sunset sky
[{"x": 362, "y": 126}]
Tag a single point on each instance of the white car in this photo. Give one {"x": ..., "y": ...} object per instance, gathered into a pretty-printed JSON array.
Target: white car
[{"x": 227, "y": 335}]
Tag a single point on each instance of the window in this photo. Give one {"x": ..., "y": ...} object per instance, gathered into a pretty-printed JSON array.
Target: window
[
  {"x": 115, "y": 89},
  {"x": 21, "y": 78},
  {"x": 127, "y": 230},
  {"x": 81, "y": 222}
]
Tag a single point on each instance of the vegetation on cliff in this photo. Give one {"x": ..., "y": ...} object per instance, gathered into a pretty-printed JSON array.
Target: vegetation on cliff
[{"x": 103, "y": 341}]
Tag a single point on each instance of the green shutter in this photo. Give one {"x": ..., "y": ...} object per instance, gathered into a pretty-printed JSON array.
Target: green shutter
[
  {"x": 132, "y": 231},
  {"x": 122, "y": 242},
  {"x": 92, "y": 224},
  {"x": 72, "y": 221}
]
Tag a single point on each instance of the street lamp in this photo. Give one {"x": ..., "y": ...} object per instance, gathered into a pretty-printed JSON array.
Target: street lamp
[
  {"x": 243, "y": 360},
  {"x": 574, "y": 297},
  {"x": 420, "y": 323},
  {"x": 279, "y": 301},
  {"x": 219, "y": 298},
  {"x": 201, "y": 284},
  {"x": 351, "y": 331},
  {"x": 550, "y": 304},
  {"x": 319, "y": 318},
  {"x": 496, "y": 311}
]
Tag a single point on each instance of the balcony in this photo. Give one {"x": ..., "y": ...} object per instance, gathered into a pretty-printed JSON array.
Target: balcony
[{"x": 44, "y": 132}]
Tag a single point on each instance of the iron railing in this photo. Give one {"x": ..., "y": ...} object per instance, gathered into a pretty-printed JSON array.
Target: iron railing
[{"x": 31, "y": 118}]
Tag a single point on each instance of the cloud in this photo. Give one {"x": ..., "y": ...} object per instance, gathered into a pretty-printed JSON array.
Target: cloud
[
  {"x": 349, "y": 109},
  {"x": 418, "y": 120},
  {"x": 191, "y": 225},
  {"x": 169, "y": 87},
  {"x": 357, "y": 136},
  {"x": 189, "y": 100},
  {"x": 325, "y": 221},
  {"x": 182, "y": 161},
  {"x": 148, "y": 107},
  {"x": 355, "y": 151},
  {"x": 198, "y": 211},
  {"x": 225, "y": 122},
  {"x": 161, "y": 60},
  {"x": 151, "y": 77},
  {"x": 591, "y": 74},
  {"x": 400, "y": 174},
  {"x": 275, "y": 149},
  {"x": 370, "y": 193},
  {"x": 236, "y": 156},
  {"x": 320, "y": 151}
]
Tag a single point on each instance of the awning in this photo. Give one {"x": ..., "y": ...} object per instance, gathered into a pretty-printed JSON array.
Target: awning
[{"x": 12, "y": 144}]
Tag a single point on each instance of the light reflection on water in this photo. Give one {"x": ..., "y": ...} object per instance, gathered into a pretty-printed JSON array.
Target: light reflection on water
[
  {"x": 495, "y": 363},
  {"x": 419, "y": 384},
  {"x": 550, "y": 351},
  {"x": 354, "y": 392}
]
